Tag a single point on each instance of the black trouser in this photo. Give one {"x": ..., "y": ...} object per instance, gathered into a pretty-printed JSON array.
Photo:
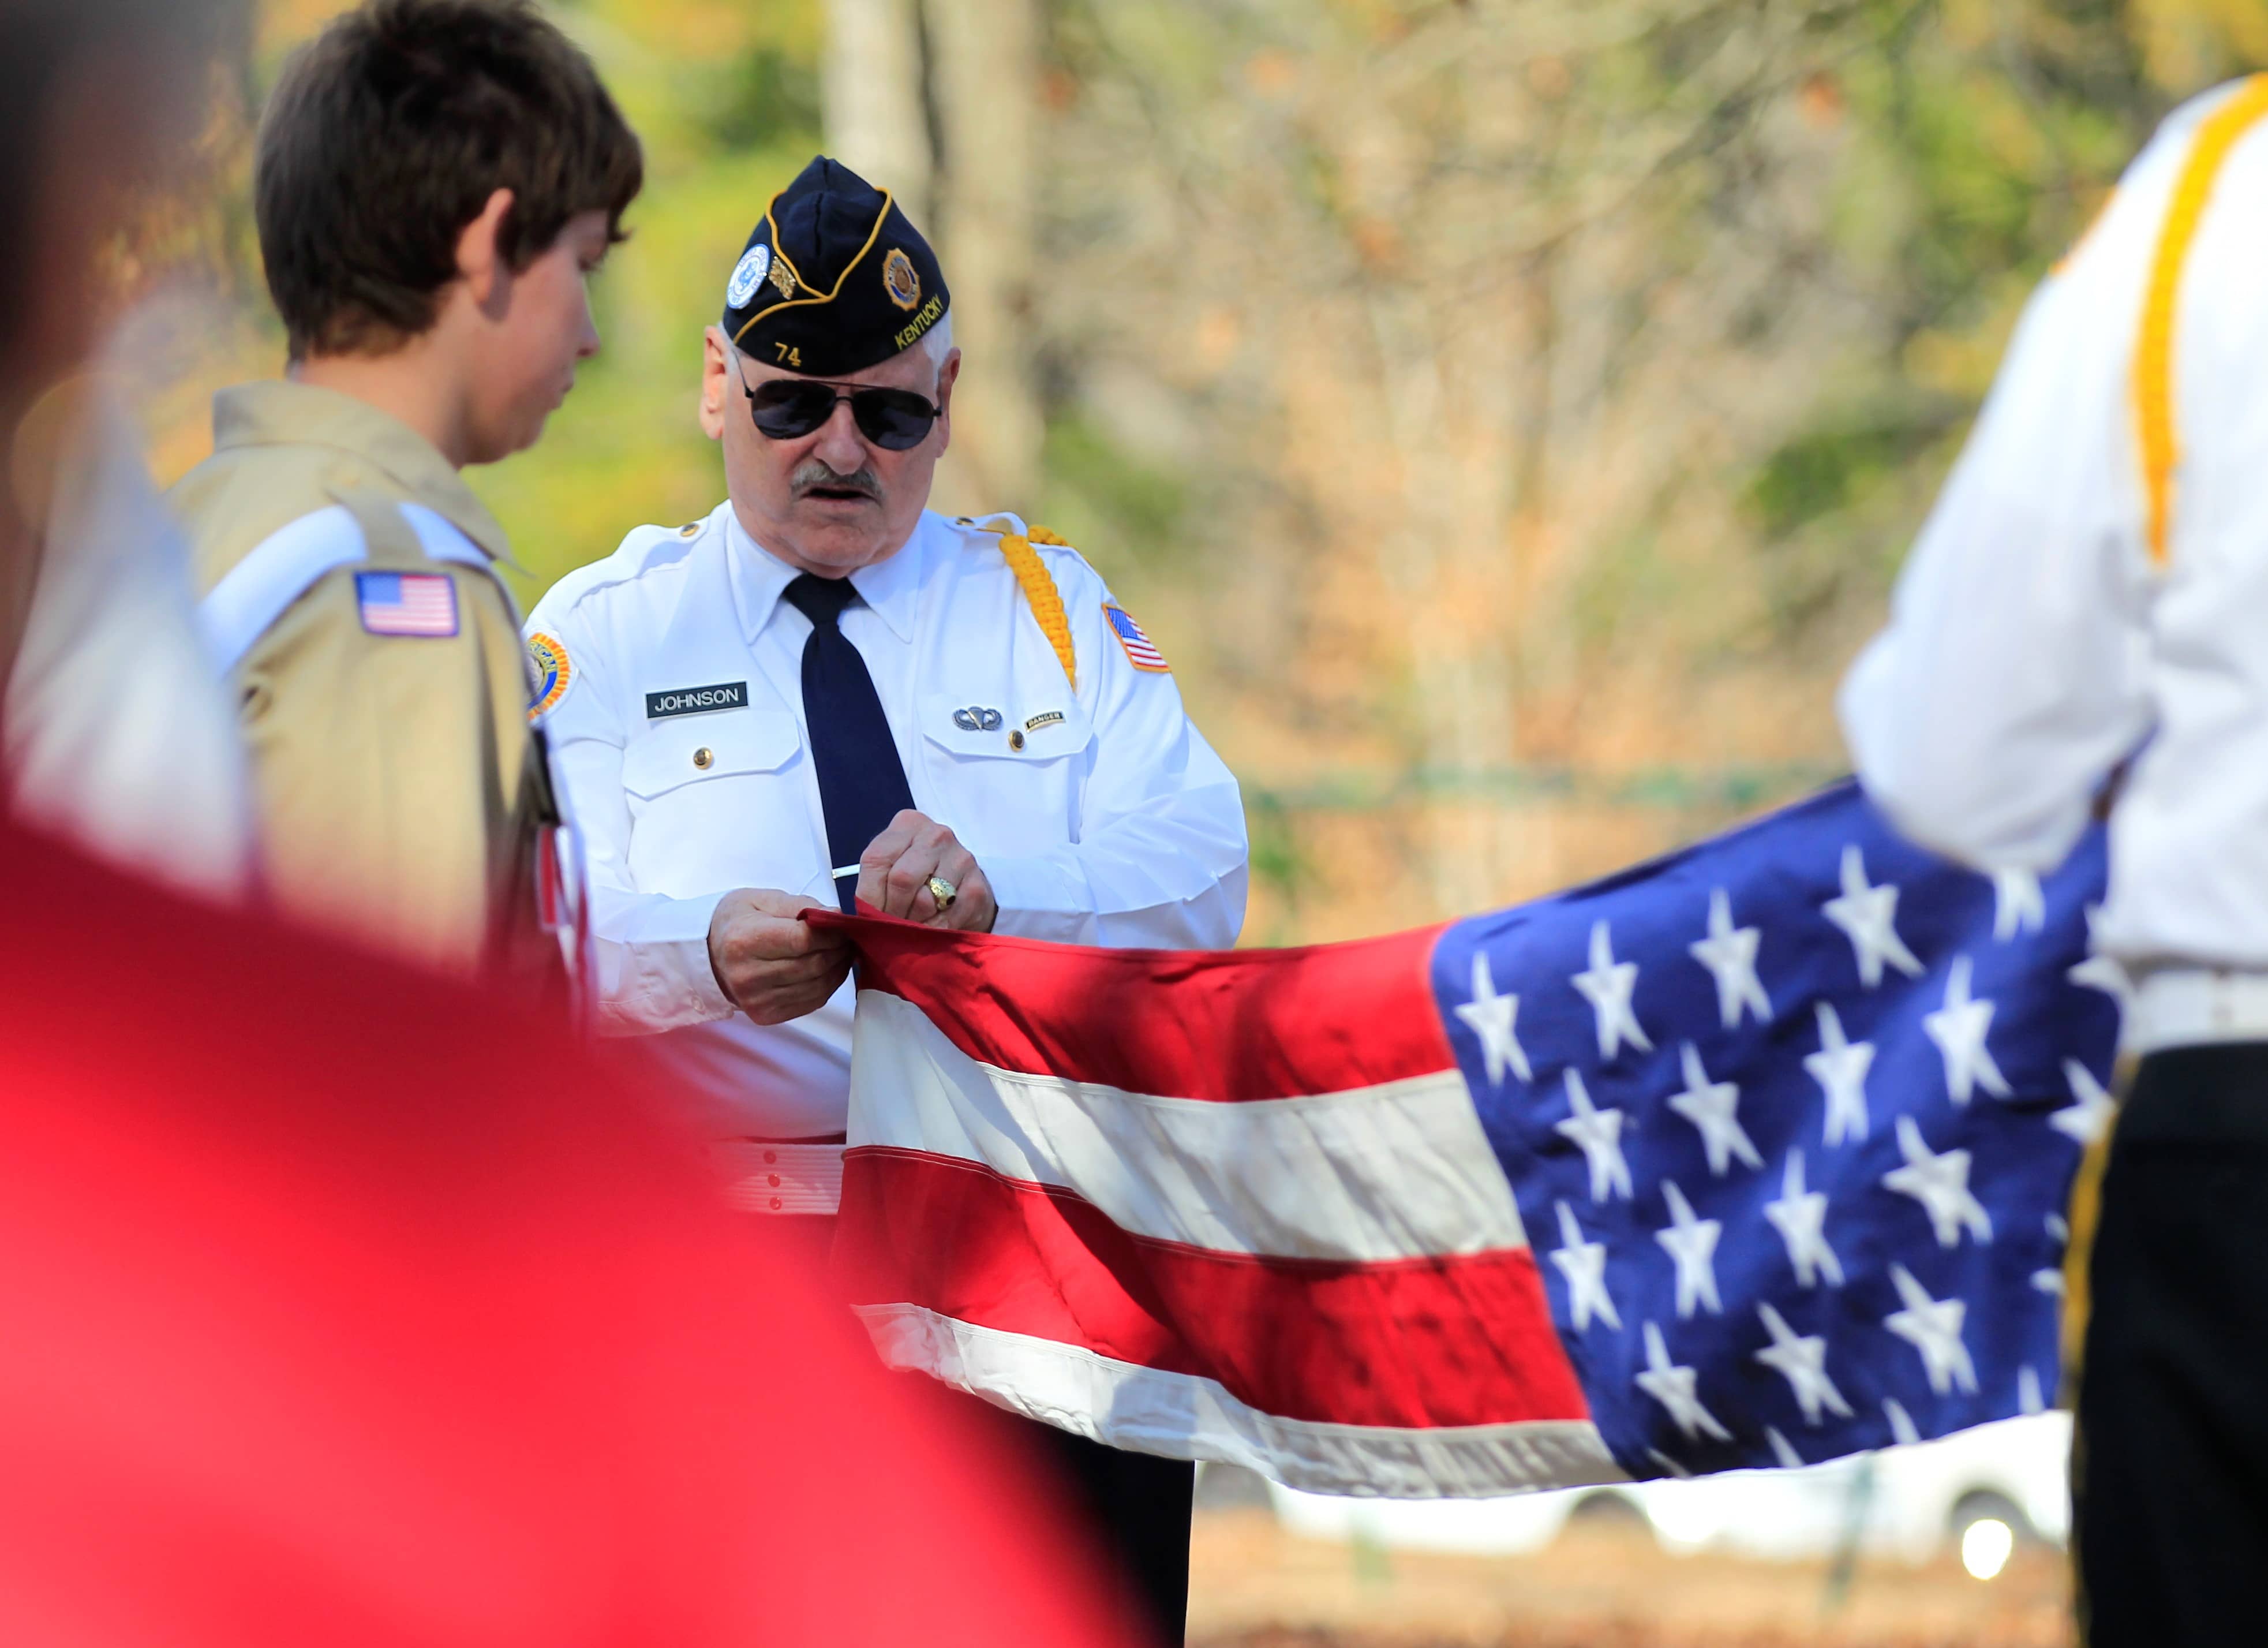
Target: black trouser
[
  {"x": 2171, "y": 1462},
  {"x": 1137, "y": 1511},
  {"x": 1137, "y": 1505}
]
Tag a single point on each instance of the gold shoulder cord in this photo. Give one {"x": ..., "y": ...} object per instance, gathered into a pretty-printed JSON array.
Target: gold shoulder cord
[
  {"x": 1039, "y": 588},
  {"x": 2154, "y": 420},
  {"x": 2154, "y": 352}
]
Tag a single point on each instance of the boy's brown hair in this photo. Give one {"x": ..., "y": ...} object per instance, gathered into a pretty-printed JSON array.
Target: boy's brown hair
[{"x": 388, "y": 134}]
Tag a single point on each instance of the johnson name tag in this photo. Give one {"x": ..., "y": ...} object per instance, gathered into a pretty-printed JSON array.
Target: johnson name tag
[{"x": 730, "y": 695}]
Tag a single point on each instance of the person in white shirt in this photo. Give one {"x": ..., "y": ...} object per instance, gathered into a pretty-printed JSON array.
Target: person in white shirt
[
  {"x": 2084, "y": 625},
  {"x": 118, "y": 732},
  {"x": 824, "y": 689}
]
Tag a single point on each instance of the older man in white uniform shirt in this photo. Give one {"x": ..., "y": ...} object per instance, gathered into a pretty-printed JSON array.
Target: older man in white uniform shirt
[
  {"x": 2091, "y": 596},
  {"x": 822, "y": 681}
]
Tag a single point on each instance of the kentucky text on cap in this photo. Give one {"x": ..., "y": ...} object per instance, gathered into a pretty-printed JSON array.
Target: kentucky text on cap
[{"x": 835, "y": 279}]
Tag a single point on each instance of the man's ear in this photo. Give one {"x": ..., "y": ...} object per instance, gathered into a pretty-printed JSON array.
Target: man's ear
[
  {"x": 481, "y": 263},
  {"x": 716, "y": 383}
]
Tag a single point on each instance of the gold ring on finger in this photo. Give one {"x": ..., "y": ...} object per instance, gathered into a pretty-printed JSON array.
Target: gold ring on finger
[{"x": 944, "y": 892}]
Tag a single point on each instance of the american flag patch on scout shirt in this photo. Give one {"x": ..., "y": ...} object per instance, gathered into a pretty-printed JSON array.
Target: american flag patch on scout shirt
[
  {"x": 407, "y": 604},
  {"x": 1140, "y": 651}
]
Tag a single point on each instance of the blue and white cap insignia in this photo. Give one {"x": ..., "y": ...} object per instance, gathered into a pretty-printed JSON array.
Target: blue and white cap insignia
[{"x": 747, "y": 275}]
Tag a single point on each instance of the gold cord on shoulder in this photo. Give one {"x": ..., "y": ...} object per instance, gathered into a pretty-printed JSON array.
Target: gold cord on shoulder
[
  {"x": 1040, "y": 591},
  {"x": 2154, "y": 352},
  {"x": 1039, "y": 588}
]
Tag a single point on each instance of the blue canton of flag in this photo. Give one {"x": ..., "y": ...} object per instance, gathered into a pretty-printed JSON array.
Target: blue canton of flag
[{"x": 1792, "y": 1119}]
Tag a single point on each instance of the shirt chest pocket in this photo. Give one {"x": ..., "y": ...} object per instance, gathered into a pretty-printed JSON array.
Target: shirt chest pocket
[
  {"x": 711, "y": 804},
  {"x": 1014, "y": 770}
]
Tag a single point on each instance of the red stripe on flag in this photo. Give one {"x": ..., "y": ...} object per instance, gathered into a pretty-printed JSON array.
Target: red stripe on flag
[
  {"x": 1229, "y": 1026},
  {"x": 1428, "y": 1343}
]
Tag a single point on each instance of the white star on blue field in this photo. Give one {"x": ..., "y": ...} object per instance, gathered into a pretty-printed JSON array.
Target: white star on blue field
[{"x": 1792, "y": 1117}]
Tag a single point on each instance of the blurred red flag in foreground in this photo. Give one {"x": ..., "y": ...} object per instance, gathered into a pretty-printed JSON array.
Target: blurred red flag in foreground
[{"x": 342, "y": 1307}]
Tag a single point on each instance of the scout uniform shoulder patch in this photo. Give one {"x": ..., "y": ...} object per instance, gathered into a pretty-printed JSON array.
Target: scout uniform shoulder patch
[
  {"x": 1141, "y": 652},
  {"x": 553, "y": 670},
  {"x": 407, "y": 604}
]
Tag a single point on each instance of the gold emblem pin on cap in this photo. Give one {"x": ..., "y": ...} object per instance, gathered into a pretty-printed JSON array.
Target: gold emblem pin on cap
[{"x": 900, "y": 280}]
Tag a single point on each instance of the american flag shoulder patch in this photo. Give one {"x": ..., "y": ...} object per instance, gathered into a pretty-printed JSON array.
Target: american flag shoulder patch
[
  {"x": 407, "y": 604},
  {"x": 1141, "y": 652}
]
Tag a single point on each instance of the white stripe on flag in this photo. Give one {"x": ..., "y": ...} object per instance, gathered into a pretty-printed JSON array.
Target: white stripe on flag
[
  {"x": 1400, "y": 1170},
  {"x": 1182, "y": 1416}
]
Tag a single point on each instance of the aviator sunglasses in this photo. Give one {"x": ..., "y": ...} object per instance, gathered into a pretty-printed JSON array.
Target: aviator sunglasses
[{"x": 788, "y": 409}]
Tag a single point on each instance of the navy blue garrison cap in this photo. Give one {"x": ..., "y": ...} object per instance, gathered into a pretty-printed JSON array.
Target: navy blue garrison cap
[{"x": 835, "y": 279}]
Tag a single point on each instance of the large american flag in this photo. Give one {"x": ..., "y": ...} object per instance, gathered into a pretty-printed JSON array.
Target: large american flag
[{"x": 1756, "y": 1155}]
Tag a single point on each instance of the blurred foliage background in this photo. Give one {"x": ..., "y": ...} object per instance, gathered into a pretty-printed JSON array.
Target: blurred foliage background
[{"x": 1508, "y": 415}]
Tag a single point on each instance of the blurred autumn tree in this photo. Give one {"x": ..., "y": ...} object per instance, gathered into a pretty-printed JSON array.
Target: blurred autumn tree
[
  {"x": 1512, "y": 412},
  {"x": 1508, "y": 414}
]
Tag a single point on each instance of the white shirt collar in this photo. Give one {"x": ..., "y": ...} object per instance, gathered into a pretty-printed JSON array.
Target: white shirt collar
[{"x": 889, "y": 586}]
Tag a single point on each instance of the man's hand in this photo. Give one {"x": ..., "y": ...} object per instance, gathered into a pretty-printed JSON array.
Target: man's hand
[
  {"x": 893, "y": 876},
  {"x": 773, "y": 966}
]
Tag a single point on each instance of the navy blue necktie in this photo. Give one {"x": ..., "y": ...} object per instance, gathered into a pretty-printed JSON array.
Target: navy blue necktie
[{"x": 862, "y": 783}]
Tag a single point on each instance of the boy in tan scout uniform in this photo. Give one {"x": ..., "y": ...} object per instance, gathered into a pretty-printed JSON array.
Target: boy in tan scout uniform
[{"x": 434, "y": 181}]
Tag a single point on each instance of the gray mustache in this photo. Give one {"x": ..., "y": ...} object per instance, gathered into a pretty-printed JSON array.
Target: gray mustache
[{"x": 814, "y": 473}]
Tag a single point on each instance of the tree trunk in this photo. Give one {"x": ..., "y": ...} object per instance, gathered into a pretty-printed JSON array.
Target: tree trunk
[
  {"x": 983, "y": 67},
  {"x": 937, "y": 104},
  {"x": 877, "y": 119}
]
